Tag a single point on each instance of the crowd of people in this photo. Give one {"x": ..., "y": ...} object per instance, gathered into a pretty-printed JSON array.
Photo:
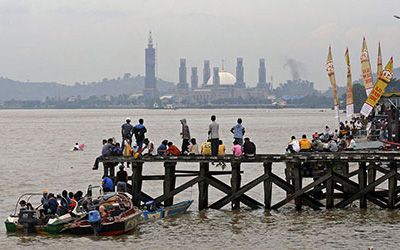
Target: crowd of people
[
  {"x": 135, "y": 143},
  {"x": 327, "y": 141}
]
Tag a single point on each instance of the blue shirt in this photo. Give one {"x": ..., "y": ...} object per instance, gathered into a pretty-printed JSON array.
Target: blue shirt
[
  {"x": 161, "y": 147},
  {"x": 238, "y": 130},
  {"x": 108, "y": 183}
]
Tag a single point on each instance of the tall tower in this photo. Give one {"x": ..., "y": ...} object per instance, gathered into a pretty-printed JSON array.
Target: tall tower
[
  {"x": 150, "y": 82},
  {"x": 239, "y": 73},
  {"x": 183, "y": 75},
  {"x": 216, "y": 80},
  {"x": 206, "y": 72},
  {"x": 262, "y": 74},
  {"x": 194, "y": 78}
]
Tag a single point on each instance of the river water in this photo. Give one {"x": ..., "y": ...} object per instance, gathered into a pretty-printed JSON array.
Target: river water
[{"x": 36, "y": 154}]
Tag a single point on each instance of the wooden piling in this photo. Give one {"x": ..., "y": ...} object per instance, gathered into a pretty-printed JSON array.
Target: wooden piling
[
  {"x": 203, "y": 185},
  {"x": 392, "y": 195},
  {"x": 235, "y": 183},
  {"x": 267, "y": 185},
  {"x": 362, "y": 182},
  {"x": 137, "y": 179},
  {"x": 297, "y": 180},
  {"x": 169, "y": 181},
  {"x": 371, "y": 174},
  {"x": 330, "y": 189}
]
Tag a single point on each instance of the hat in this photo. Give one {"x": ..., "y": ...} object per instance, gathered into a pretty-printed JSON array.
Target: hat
[
  {"x": 45, "y": 191},
  {"x": 128, "y": 119}
]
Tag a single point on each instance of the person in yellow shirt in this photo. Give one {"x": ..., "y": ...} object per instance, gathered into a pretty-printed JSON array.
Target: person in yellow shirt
[
  {"x": 221, "y": 148},
  {"x": 305, "y": 144},
  {"x": 206, "y": 148}
]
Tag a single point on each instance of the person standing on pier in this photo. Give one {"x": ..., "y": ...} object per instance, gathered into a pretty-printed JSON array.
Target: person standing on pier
[
  {"x": 238, "y": 131},
  {"x": 185, "y": 137},
  {"x": 213, "y": 133},
  {"x": 127, "y": 131},
  {"x": 139, "y": 130}
]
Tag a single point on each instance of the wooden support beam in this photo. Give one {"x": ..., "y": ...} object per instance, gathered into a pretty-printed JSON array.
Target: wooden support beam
[
  {"x": 362, "y": 182},
  {"x": 364, "y": 191},
  {"x": 235, "y": 183},
  {"x": 203, "y": 185},
  {"x": 290, "y": 189},
  {"x": 137, "y": 169},
  {"x": 267, "y": 185},
  {"x": 330, "y": 190},
  {"x": 392, "y": 195},
  {"x": 248, "y": 201},
  {"x": 169, "y": 182},
  {"x": 371, "y": 173},
  {"x": 302, "y": 191},
  {"x": 176, "y": 191}
]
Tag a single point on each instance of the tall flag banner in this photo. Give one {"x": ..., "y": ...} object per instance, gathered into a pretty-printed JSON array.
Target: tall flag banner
[
  {"x": 366, "y": 68},
  {"x": 379, "y": 88},
  {"x": 349, "y": 96},
  {"x": 331, "y": 74},
  {"x": 380, "y": 67}
]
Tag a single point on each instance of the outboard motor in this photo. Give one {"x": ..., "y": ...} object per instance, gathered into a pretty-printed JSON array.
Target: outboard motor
[
  {"x": 95, "y": 220},
  {"x": 151, "y": 205},
  {"x": 27, "y": 218}
]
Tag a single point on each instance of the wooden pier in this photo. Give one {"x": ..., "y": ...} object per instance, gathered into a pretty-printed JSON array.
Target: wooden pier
[{"x": 331, "y": 186}]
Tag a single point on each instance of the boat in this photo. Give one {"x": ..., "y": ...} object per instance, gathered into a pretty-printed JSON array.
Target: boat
[
  {"x": 112, "y": 214},
  {"x": 154, "y": 213}
]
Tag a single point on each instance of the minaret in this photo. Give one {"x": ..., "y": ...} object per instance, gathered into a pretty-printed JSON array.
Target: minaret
[
  {"x": 206, "y": 72},
  {"x": 239, "y": 73},
  {"x": 216, "y": 80},
  {"x": 183, "y": 74},
  {"x": 262, "y": 74},
  {"x": 194, "y": 78},
  {"x": 150, "y": 87}
]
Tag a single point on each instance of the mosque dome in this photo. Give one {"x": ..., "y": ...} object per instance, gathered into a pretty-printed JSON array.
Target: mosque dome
[{"x": 225, "y": 78}]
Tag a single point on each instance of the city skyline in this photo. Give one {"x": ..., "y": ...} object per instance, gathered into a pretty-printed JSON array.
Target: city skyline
[{"x": 68, "y": 42}]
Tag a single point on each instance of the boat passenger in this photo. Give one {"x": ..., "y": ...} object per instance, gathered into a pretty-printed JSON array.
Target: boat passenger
[
  {"x": 206, "y": 147},
  {"x": 162, "y": 148},
  {"x": 193, "y": 148},
  {"x": 107, "y": 184},
  {"x": 249, "y": 148},
  {"x": 122, "y": 179},
  {"x": 221, "y": 148},
  {"x": 139, "y": 130},
  {"x": 127, "y": 130},
  {"x": 293, "y": 145},
  {"x": 66, "y": 198},
  {"x": 238, "y": 131},
  {"x": 185, "y": 136},
  {"x": 73, "y": 202},
  {"x": 76, "y": 147},
  {"x": 78, "y": 195},
  {"x": 45, "y": 198},
  {"x": 172, "y": 150},
  {"x": 52, "y": 204},
  {"x": 25, "y": 206},
  {"x": 305, "y": 144},
  {"x": 237, "y": 149}
]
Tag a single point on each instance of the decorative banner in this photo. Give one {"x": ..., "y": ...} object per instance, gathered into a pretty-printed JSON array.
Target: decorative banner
[
  {"x": 380, "y": 86},
  {"x": 380, "y": 67},
  {"x": 331, "y": 74},
  {"x": 349, "y": 97},
  {"x": 366, "y": 68}
]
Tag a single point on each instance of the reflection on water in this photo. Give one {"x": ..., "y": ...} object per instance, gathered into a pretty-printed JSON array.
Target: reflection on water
[{"x": 36, "y": 155}]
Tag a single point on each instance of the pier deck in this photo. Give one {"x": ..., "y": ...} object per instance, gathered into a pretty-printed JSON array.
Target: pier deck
[{"x": 332, "y": 183}]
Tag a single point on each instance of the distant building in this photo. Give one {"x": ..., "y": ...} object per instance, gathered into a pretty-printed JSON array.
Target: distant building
[
  {"x": 183, "y": 84},
  {"x": 150, "y": 81},
  {"x": 194, "y": 78},
  {"x": 206, "y": 72},
  {"x": 239, "y": 73}
]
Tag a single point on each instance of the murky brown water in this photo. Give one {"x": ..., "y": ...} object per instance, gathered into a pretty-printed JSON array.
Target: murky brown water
[{"x": 35, "y": 154}]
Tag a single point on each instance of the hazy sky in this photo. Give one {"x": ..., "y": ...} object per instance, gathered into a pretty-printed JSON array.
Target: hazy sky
[{"x": 87, "y": 40}]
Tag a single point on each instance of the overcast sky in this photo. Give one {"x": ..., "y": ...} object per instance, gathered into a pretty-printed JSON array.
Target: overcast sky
[{"x": 87, "y": 40}]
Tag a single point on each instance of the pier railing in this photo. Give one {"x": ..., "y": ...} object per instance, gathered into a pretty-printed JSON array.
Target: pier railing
[{"x": 332, "y": 180}]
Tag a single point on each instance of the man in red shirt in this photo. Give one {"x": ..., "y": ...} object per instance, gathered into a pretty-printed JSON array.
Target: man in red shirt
[{"x": 172, "y": 150}]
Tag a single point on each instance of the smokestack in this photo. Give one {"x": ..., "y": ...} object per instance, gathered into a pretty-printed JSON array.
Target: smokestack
[{"x": 194, "y": 79}]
